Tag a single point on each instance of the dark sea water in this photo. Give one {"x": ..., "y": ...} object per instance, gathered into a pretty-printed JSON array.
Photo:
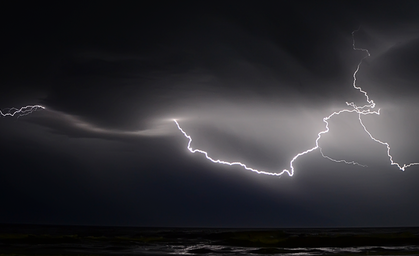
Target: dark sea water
[{"x": 84, "y": 240}]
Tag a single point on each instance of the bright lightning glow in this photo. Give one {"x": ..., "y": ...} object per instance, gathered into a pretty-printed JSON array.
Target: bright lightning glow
[
  {"x": 363, "y": 110},
  {"x": 23, "y": 111},
  {"x": 224, "y": 162}
]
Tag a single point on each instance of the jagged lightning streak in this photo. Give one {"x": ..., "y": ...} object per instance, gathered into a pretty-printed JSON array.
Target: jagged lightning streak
[
  {"x": 363, "y": 110},
  {"x": 23, "y": 111},
  {"x": 371, "y": 102},
  {"x": 402, "y": 168},
  {"x": 291, "y": 171},
  {"x": 224, "y": 162},
  {"x": 371, "y": 105}
]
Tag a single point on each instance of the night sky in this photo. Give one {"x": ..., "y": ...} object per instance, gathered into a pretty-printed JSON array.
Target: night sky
[{"x": 249, "y": 81}]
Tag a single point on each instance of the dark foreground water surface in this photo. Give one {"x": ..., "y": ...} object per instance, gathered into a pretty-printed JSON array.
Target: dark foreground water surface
[{"x": 79, "y": 240}]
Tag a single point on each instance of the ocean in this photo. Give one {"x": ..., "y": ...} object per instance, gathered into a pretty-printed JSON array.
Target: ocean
[{"x": 87, "y": 240}]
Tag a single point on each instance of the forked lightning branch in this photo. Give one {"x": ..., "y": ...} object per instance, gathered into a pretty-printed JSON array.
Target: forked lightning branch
[{"x": 367, "y": 109}]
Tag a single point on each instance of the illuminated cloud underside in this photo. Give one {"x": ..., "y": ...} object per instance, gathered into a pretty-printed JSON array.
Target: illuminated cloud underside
[
  {"x": 362, "y": 110},
  {"x": 73, "y": 121}
]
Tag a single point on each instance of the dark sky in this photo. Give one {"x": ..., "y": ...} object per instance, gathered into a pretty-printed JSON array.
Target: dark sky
[{"x": 249, "y": 81}]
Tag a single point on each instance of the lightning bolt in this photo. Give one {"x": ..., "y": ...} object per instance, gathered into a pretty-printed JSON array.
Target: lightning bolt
[
  {"x": 366, "y": 109},
  {"x": 225, "y": 162},
  {"x": 23, "y": 111}
]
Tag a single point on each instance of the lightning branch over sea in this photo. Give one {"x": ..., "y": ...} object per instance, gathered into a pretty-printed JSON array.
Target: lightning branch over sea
[{"x": 366, "y": 109}]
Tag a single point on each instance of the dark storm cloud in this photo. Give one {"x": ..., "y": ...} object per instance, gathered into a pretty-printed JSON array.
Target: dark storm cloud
[
  {"x": 401, "y": 60},
  {"x": 248, "y": 81},
  {"x": 220, "y": 59}
]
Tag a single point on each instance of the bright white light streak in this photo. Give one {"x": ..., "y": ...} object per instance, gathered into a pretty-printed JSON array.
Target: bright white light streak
[
  {"x": 23, "y": 111},
  {"x": 225, "y": 162},
  {"x": 363, "y": 110}
]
